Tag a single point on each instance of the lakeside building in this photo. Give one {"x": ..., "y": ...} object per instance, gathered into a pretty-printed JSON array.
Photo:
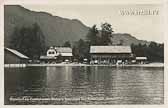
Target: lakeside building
[
  {"x": 111, "y": 54},
  {"x": 141, "y": 60},
  {"x": 55, "y": 54},
  {"x": 12, "y": 56}
]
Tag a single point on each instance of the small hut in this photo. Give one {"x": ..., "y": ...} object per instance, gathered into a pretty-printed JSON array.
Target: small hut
[
  {"x": 141, "y": 60},
  {"x": 12, "y": 56}
]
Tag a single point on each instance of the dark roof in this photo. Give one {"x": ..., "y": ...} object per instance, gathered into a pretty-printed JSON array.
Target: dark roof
[
  {"x": 110, "y": 49},
  {"x": 17, "y": 53}
]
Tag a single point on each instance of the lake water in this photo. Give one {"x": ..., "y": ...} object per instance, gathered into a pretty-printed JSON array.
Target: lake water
[{"x": 84, "y": 85}]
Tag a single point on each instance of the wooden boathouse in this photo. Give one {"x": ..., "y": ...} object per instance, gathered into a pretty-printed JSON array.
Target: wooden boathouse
[
  {"x": 12, "y": 56},
  {"x": 111, "y": 54}
]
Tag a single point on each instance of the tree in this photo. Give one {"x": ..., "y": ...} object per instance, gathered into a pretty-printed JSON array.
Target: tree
[
  {"x": 75, "y": 51},
  {"x": 155, "y": 52},
  {"x": 67, "y": 44},
  {"x": 92, "y": 36},
  {"x": 81, "y": 50},
  {"x": 106, "y": 34},
  {"x": 29, "y": 41},
  {"x": 153, "y": 44}
]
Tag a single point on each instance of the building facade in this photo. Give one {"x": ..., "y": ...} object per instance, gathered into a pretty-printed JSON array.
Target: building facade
[
  {"x": 141, "y": 60},
  {"x": 110, "y": 54},
  {"x": 55, "y": 54},
  {"x": 12, "y": 56}
]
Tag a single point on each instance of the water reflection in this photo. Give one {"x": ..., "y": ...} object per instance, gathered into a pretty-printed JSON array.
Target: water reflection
[
  {"x": 58, "y": 75},
  {"x": 123, "y": 85}
]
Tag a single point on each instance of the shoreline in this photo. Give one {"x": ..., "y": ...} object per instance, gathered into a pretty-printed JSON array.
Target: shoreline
[{"x": 81, "y": 65}]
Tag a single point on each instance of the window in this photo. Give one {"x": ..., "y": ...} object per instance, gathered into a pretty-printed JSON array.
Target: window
[{"x": 51, "y": 52}]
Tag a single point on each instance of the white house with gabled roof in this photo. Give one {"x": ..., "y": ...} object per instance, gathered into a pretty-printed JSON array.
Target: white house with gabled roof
[{"x": 55, "y": 53}]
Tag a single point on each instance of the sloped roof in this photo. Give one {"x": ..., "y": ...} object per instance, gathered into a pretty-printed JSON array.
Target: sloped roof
[
  {"x": 64, "y": 49},
  {"x": 110, "y": 49},
  {"x": 17, "y": 53}
]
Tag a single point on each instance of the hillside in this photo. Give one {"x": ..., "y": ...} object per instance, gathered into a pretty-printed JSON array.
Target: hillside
[
  {"x": 57, "y": 30},
  {"x": 127, "y": 39}
]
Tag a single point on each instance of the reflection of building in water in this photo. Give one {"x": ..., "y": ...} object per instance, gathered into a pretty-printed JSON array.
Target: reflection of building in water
[
  {"x": 59, "y": 76},
  {"x": 55, "y": 54},
  {"x": 110, "y": 54}
]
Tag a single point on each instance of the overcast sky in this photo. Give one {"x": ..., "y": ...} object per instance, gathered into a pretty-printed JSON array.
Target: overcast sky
[{"x": 145, "y": 27}]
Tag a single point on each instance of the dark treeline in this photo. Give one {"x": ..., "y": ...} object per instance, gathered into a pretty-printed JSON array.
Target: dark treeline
[{"x": 154, "y": 52}]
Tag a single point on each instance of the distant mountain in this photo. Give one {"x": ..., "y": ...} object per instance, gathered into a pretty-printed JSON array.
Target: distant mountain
[
  {"x": 57, "y": 30},
  {"x": 127, "y": 39}
]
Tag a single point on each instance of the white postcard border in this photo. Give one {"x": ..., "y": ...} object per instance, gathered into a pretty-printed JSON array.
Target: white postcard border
[{"x": 78, "y": 2}]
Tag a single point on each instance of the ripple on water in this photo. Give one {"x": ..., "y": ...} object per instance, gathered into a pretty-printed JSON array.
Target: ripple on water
[{"x": 123, "y": 85}]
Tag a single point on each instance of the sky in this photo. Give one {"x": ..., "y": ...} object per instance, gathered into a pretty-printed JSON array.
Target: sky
[{"x": 142, "y": 26}]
